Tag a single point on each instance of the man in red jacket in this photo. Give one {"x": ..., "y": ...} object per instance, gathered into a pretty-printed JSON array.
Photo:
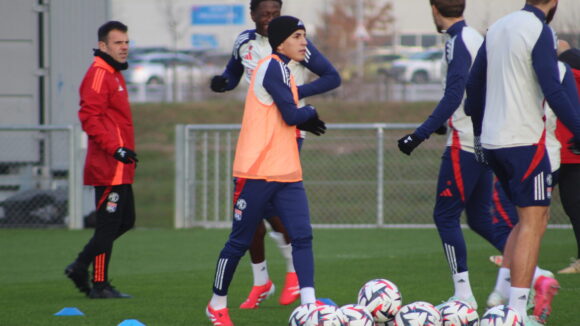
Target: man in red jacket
[
  {"x": 570, "y": 163},
  {"x": 105, "y": 115}
]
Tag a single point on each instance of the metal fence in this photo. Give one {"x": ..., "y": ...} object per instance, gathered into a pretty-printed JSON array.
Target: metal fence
[
  {"x": 40, "y": 178},
  {"x": 354, "y": 176}
]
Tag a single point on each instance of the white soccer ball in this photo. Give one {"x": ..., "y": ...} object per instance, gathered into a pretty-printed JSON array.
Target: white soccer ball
[
  {"x": 501, "y": 315},
  {"x": 325, "y": 315},
  {"x": 418, "y": 313},
  {"x": 300, "y": 314},
  {"x": 356, "y": 315},
  {"x": 458, "y": 313},
  {"x": 381, "y": 298}
]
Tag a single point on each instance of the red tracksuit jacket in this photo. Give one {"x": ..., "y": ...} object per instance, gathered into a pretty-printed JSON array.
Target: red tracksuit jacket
[
  {"x": 564, "y": 135},
  {"x": 105, "y": 116}
]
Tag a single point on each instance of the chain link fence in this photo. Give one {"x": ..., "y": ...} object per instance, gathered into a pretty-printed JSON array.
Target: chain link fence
[
  {"x": 39, "y": 176},
  {"x": 354, "y": 176}
]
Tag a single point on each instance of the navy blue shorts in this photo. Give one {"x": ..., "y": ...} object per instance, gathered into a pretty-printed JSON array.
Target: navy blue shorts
[{"x": 524, "y": 173}]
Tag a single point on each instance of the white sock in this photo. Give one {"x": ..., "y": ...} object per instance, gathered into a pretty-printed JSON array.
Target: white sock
[
  {"x": 462, "y": 286},
  {"x": 307, "y": 295},
  {"x": 285, "y": 249},
  {"x": 519, "y": 300},
  {"x": 503, "y": 282},
  {"x": 260, "y": 271},
  {"x": 537, "y": 273},
  {"x": 218, "y": 302}
]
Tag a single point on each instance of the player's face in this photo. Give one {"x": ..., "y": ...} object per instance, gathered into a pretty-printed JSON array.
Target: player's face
[
  {"x": 117, "y": 45},
  {"x": 263, "y": 15},
  {"x": 294, "y": 47}
]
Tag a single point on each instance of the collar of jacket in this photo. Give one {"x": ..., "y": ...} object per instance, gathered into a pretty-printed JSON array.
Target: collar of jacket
[{"x": 110, "y": 61}]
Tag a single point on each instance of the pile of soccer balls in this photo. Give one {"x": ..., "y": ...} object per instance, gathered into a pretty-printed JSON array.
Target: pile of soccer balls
[{"x": 380, "y": 303}]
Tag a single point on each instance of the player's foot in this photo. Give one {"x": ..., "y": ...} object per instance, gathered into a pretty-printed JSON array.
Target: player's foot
[
  {"x": 532, "y": 321},
  {"x": 496, "y": 299},
  {"x": 470, "y": 301},
  {"x": 497, "y": 260},
  {"x": 79, "y": 274},
  {"x": 574, "y": 267},
  {"x": 219, "y": 317},
  {"x": 546, "y": 288},
  {"x": 532, "y": 297},
  {"x": 291, "y": 291},
  {"x": 258, "y": 294},
  {"x": 106, "y": 291}
]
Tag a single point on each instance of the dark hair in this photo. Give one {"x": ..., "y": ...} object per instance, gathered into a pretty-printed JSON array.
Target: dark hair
[
  {"x": 255, "y": 3},
  {"x": 449, "y": 8},
  {"x": 537, "y": 2},
  {"x": 107, "y": 27}
]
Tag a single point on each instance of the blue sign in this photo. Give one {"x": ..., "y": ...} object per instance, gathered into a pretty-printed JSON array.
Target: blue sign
[
  {"x": 204, "y": 41},
  {"x": 218, "y": 15}
]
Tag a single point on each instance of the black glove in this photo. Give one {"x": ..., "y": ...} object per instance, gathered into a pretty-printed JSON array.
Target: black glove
[
  {"x": 574, "y": 146},
  {"x": 408, "y": 143},
  {"x": 441, "y": 130},
  {"x": 218, "y": 84},
  {"x": 313, "y": 125},
  {"x": 478, "y": 149},
  {"x": 125, "y": 155}
]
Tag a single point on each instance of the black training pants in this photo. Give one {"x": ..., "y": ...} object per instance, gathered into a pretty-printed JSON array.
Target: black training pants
[{"x": 570, "y": 194}]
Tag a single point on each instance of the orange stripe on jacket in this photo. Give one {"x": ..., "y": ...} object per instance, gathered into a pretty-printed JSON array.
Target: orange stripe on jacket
[
  {"x": 98, "y": 80},
  {"x": 266, "y": 148}
]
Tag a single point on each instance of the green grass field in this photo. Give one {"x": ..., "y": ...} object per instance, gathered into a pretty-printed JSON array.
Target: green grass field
[{"x": 170, "y": 273}]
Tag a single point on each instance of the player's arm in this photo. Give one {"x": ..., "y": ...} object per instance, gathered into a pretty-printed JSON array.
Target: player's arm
[
  {"x": 234, "y": 71},
  {"x": 275, "y": 83},
  {"x": 94, "y": 104},
  {"x": 457, "y": 74},
  {"x": 545, "y": 65},
  {"x": 458, "y": 71},
  {"x": 476, "y": 89},
  {"x": 316, "y": 62}
]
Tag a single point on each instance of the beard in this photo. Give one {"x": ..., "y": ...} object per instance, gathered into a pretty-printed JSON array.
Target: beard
[{"x": 551, "y": 14}]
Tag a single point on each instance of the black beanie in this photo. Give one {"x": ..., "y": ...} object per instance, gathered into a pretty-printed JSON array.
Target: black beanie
[{"x": 280, "y": 28}]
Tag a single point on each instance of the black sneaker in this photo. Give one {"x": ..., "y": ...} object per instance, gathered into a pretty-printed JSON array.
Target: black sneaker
[
  {"x": 79, "y": 274},
  {"x": 107, "y": 291}
]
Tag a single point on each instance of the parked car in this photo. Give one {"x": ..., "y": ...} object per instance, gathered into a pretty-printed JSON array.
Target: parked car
[
  {"x": 156, "y": 68},
  {"x": 422, "y": 67}
]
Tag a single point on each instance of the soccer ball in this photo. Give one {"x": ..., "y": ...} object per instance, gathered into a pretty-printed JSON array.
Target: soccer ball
[
  {"x": 325, "y": 315},
  {"x": 356, "y": 315},
  {"x": 501, "y": 315},
  {"x": 300, "y": 314},
  {"x": 458, "y": 313},
  {"x": 418, "y": 313},
  {"x": 381, "y": 298}
]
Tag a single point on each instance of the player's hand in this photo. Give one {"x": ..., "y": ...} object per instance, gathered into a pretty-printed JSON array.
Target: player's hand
[
  {"x": 409, "y": 142},
  {"x": 313, "y": 125},
  {"x": 218, "y": 84},
  {"x": 478, "y": 149},
  {"x": 574, "y": 146},
  {"x": 441, "y": 130},
  {"x": 125, "y": 155}
]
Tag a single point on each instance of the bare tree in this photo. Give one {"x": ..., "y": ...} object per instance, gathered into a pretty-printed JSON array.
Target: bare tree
[
  {"x": 176, "y": 30},
  {"x": 336, "y": 37}
]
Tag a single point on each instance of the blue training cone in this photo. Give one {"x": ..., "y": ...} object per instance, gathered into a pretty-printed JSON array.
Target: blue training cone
[
  {"x": 131, "y": 322},
  {"x": 326, "y": 301},
  {"x": 69, "y": 311}
]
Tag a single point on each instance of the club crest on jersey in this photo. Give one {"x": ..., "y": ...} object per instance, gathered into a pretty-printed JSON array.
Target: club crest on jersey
[
  {"x": 241, "y": 204},
  {"x": 237, "y": 214},
  {"x": 111, "y": 207},
  {"x": 113, "y": 197}
]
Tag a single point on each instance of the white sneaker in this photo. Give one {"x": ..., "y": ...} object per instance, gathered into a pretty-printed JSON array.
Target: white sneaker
[
  {"x": 471, "y": 301},
  {"x": 496, "y": 299},
  {"x": 574, "y": 267}
]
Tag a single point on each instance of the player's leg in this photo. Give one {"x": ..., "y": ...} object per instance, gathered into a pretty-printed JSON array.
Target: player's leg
[
  {"x": 449, "y": 203},
  {"x": 250, "y": 198},
  {"x": 291, "y": 290},
  {"x": 263, "y": 286},
  {"x": 570, "y": 196},
  {"x": 292, "y": 204}
]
